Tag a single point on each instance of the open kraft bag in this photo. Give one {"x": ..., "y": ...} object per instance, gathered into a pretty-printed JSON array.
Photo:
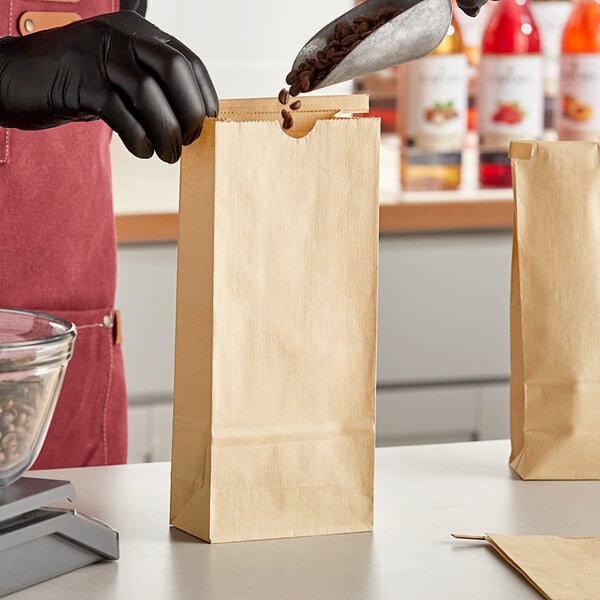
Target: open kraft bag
[
  {"x": 273, "y": 423},
  {"x": 555, "y": 311}
]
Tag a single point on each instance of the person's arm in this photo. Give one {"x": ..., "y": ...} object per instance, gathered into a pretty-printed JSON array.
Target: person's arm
[{"x": 149, "y": 87}]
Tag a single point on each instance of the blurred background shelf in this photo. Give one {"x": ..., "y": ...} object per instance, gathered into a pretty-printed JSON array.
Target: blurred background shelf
[{"x": 146, "y": 200}]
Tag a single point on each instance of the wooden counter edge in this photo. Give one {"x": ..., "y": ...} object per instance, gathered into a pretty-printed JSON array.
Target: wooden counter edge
[
  {"x": 407, "y": 217},
  {"x": 153, "y": 227},
  {"x": 403, "y": 217}
]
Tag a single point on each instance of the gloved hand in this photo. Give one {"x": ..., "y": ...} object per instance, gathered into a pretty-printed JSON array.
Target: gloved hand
[
  {"x": 470, "y": 7},
  {"x": 151, "y": 89},
  {"x": 139, "y": 6}
]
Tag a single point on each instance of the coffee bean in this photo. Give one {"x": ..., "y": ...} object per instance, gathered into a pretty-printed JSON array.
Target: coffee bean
[
  {"x": 346, "y": 29},
  {"x": 363, "y": 27},
  {"x": 19, "y": 404},
  {"x": 295, "y": 88},
  {"x": 288, "y": 120},
  {"x": 305, "y": 81},
  {"x": 350, "y": 39},
  {"x": 25, "y": 408},
  {"x": 296, "y": 105},
  {"x": 9, "y": 443},
  {"x": 284, "y": 96},
  {"x": 292, "y": 77},
  {"x": 8, "y": 417}
]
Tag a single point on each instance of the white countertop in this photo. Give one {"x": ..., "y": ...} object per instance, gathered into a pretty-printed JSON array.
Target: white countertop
[{"x": 422, "y": 494}]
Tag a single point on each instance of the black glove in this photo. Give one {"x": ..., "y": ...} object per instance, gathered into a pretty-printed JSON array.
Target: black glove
[
  {"x": 151, "y": 89},
  {"x": 470, "y": 7},
  {"x": 139, "y": 6}
]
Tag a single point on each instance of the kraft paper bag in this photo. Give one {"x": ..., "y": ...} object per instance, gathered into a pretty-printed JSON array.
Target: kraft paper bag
[
  {"x": 558, "y": 568},
  {"x": 273, "y": 425},
  {"x": 555, "y": 311}
]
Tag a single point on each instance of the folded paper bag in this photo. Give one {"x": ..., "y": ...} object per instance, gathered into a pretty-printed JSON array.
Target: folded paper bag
[
  {"x": 555, "y": 311},
  {"x": 558, "y": 568},
  {"x": 273, "y": 417}
]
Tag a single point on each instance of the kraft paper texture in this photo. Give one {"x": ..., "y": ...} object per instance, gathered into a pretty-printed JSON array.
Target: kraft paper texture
[
  {"x": 273, "y": 428},
  {"x": 559, "y": 568},
  {"x": 555, "y": 311}
]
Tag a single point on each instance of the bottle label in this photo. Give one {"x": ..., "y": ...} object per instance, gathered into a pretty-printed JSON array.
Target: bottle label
[
  {"x": 578, "y": 111},
  {"x": 436, "y": 116},
  {"x": 511, "y": 98}
]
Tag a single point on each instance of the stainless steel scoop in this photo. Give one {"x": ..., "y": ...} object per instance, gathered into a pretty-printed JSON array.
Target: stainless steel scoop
[{"x": 415, "y": 32}]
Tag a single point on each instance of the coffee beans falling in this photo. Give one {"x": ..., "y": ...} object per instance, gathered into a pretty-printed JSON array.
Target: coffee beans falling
[
  {"x": 284, "y": 96},
  {"x": 21, "y": 404},
  {"x": 288, "y": 119},
  {"x": 345, "y": 38}
]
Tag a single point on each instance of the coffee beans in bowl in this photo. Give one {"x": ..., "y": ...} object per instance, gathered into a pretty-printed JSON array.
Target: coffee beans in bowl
[{"x": 35, "y": 350}]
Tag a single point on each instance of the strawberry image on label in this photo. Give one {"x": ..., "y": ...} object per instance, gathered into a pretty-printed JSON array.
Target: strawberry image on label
[{"x": 508, "y": 113}]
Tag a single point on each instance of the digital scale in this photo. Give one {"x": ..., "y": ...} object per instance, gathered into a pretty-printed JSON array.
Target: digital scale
[{"x": 38, "y": 542}]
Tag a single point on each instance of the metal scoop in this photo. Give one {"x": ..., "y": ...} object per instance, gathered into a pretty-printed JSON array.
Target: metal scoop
[{"x": 415, "y": 32}]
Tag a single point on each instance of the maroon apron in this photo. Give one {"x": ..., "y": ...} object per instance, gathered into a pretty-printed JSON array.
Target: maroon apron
[{"x": 59, "y": 256}]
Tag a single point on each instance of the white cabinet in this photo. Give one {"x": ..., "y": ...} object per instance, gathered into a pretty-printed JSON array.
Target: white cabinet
[
  {"x": 146, "y": 288},
  {"x": 444, "y": 307},
  {"x": 443, "y": 341},
  {"x": 446, "y": 413},
  {"x": 421, "y": 415},
  {"x": 494, "y": 410},
  {"x": 149, "y": 432}
]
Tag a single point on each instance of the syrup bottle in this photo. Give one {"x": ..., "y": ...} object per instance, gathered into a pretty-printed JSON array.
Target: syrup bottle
[
  {"x": 551, "y": 16},
  {"x": 432, "y": 95},
  {"x": 511, "y": 88},
  {"x": 472, "y": 34},
  {"x": 578, "y": 111}
]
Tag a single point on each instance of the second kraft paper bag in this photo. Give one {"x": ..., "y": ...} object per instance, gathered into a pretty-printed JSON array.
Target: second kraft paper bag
[
  {"x": 555, "y": 311},
  {"x": 273, "y": 424}
]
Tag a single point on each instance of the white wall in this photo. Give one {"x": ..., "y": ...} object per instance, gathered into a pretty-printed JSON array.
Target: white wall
[{"x": 248, "y": 46}]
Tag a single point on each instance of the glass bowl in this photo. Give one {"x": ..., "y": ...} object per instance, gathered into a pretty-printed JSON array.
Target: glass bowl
[{"x": 35, "y": 350}]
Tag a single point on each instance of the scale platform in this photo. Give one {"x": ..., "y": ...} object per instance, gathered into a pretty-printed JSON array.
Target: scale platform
[{"x": 38, "y": 542}]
